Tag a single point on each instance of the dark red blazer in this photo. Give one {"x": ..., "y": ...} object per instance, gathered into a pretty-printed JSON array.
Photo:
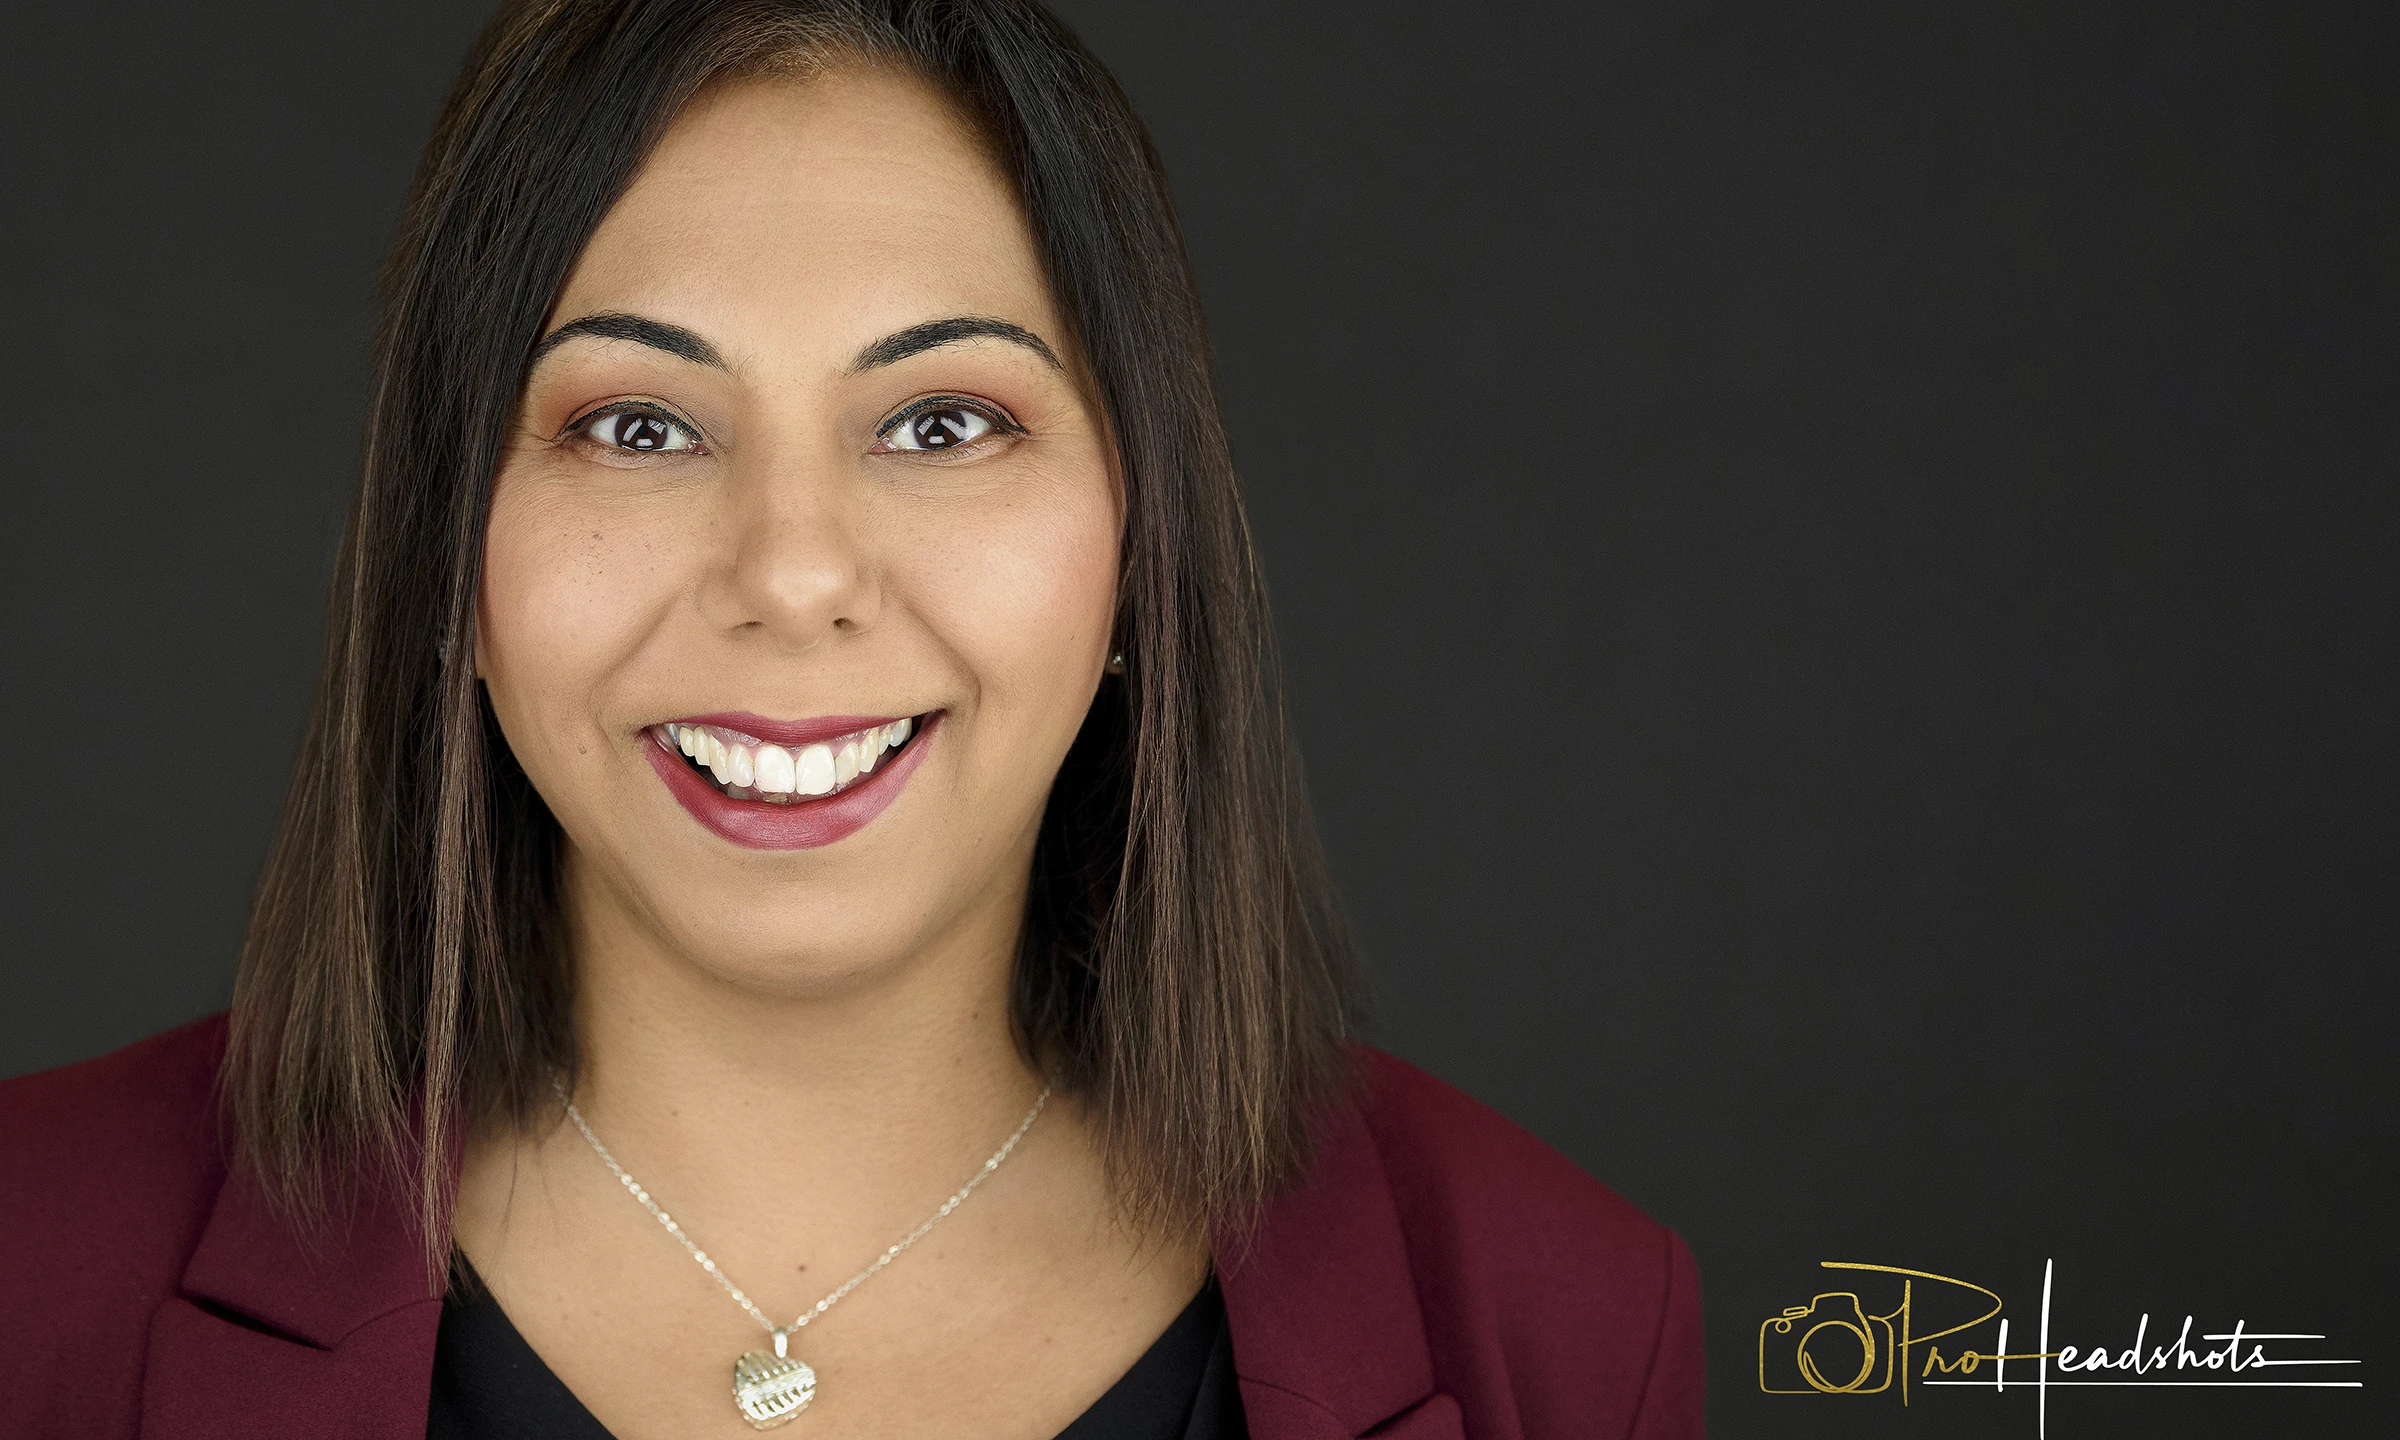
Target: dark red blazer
[{"x": 1442, "y": 1274}]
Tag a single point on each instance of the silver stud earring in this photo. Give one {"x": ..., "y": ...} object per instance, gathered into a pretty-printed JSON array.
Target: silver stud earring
[{"x": 1116, "y": 663}]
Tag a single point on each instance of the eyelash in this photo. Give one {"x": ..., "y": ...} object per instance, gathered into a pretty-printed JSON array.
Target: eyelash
[
  {"x": 580, "y": 427},
  {"x": 1002, "y": 423}
]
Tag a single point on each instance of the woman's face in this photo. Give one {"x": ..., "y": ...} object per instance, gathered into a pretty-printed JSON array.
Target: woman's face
[{"x": 802, "y": 483}]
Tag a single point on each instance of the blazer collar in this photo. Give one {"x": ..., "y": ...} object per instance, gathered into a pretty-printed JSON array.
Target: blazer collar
[
  {"x": 315, "y": 1286},
  {"x": 281, "y": 1331},
  {"x": 1319, "y": 1296}
]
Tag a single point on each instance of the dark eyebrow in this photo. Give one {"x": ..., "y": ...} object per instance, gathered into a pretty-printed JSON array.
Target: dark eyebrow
[
  {"x": 616, "y": 325},
  {"x": 935, "y": 333}
]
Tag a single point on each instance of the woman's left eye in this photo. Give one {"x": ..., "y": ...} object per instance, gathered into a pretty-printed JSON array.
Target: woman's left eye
[
  {"x": 939, "y": 427},
  {"x": 640, "y": 432}
]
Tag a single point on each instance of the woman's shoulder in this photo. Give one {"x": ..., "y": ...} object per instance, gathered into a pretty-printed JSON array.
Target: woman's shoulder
[
  {"x": 143, "y": 1105},
  {"x": 108, "y": 1168},
  {"x": 1442, "y": 1271},
  {"x": 1460, "y": 1168},
  {"x": 1550, "y": 1303}
]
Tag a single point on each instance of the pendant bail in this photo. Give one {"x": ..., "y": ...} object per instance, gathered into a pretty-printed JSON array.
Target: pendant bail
[{"x": 783, "y": 1340}]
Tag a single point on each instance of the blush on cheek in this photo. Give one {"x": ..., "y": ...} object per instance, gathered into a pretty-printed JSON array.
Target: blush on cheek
[
  {"x": 1032, "y": 602},
  {"x": 556, "y": 604},
  {"x": 530, "y": 602},
  {"x": 567, "y": 573}
]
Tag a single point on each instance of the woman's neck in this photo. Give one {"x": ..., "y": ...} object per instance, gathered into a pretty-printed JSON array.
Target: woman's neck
[{"x": 849, "y": 1101}]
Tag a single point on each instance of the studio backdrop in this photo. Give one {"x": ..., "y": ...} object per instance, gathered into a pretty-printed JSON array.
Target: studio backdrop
[{"x": 1835, "y": 564}]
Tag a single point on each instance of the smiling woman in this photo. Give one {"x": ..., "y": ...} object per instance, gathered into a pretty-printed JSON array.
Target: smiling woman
[{"x": 800, "y": 725}]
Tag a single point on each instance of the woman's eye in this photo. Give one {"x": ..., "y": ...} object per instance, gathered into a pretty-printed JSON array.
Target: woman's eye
[
  {"x": 640, "y": 432},
  {"x": 946, "y": 427}
]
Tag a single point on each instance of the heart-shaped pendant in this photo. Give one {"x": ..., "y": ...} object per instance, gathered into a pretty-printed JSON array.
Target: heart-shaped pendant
[{"x": 771, "y": 1389}]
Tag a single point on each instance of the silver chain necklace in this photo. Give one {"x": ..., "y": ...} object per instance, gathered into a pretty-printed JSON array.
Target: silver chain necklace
[{"x": 771, "y": 1389}]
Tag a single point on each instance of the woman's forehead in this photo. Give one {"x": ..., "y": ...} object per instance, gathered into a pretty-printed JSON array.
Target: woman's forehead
[{"x": 786, "y": 217}]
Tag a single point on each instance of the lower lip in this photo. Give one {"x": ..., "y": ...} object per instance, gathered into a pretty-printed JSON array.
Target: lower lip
[{"x": 801, "y": 825}]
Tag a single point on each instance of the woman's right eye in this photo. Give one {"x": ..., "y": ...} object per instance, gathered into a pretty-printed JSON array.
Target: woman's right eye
[{"x": 639, "y": 432}]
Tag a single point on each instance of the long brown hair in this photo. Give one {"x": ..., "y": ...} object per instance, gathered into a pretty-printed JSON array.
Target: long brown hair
[{"x": 1183, "y": 963}]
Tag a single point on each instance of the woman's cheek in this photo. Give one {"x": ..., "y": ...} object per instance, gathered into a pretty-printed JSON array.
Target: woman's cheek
[
  {"x": 561, "y": 590},
  {"x": 518, "y": 568},
  {"x": 1029, "y": 596}
]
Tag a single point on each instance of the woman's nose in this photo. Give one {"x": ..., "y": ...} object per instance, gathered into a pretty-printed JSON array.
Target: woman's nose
[{"x": 795, "y": 567}]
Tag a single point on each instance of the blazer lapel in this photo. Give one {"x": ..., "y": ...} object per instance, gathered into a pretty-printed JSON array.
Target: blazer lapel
[
  {"x": 278, "y": 1333},
  {"x": 1328, "y": 1342}
]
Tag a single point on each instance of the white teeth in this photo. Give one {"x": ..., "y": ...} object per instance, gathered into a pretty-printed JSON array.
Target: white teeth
[
  {"x": 815, "y": 771},
  {"x": 774, "y": 768},
  {"x": 752, "y": 769}
]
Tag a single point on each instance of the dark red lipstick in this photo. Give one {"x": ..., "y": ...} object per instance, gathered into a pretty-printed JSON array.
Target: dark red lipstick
[{"x": 804, "y": 824}]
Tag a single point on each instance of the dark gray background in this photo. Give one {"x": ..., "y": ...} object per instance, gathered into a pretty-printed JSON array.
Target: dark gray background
[{"x": 1836, "y": 564}]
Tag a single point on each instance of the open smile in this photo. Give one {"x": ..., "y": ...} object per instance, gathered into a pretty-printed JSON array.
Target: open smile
[
  {"x": 752, "y": 769},
  {"x": 787, "y": 784}
]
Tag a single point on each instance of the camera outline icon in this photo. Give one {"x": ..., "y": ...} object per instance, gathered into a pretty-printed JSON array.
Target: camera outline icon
[{"x": 1791, "y": 1332}]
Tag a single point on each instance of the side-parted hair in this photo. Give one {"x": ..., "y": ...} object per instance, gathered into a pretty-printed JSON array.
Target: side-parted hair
[{"x": 1183, "y": 964}]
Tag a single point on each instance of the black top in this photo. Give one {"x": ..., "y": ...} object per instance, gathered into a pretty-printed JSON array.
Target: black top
[{"x": 489, "y": 1385}]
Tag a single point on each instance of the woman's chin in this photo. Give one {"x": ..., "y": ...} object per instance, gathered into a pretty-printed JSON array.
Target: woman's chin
[{"x": 799, "y": 941}]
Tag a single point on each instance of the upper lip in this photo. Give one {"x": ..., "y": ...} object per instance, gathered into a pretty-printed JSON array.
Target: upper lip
[{"x": 788, "y": 732}]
